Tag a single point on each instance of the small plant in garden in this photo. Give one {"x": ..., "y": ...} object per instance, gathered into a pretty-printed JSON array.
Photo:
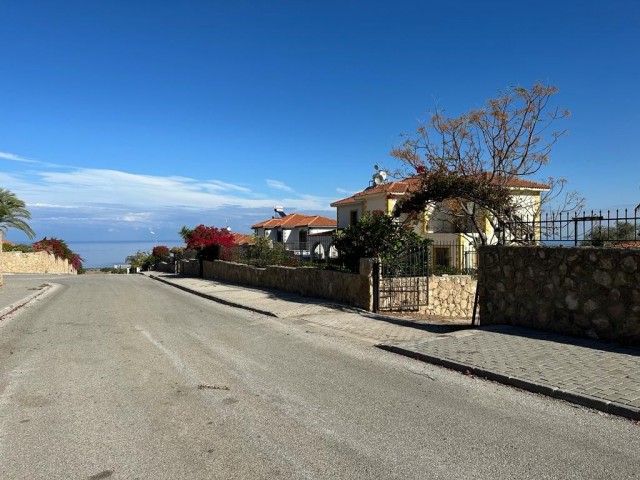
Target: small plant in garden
[
  {"x": 265, "y": 252},
  {"x": 19, "y": 247}
]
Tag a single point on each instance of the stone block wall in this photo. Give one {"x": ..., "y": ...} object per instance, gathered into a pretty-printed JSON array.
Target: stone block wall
[
  {"x": 34, "y": 262},
  {"x": 451, "y": 296},
  {"x": 352, "y": 289},
  {"x": 190, "y": 267},
  {"x": 590, "y": 292}
]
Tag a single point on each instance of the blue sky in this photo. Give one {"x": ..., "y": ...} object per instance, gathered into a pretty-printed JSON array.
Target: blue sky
[{"x": 122, "y": 118}]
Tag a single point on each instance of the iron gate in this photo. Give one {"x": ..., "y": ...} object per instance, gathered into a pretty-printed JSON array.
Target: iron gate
[{"x": 402, "y": 283}]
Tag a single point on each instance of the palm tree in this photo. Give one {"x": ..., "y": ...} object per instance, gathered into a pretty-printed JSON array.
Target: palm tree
[
  {"x": 13, "y": 214},
  {"x": 185, "y": 232}
]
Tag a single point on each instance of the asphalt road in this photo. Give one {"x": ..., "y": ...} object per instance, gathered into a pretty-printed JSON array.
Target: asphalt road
[{"x": 124, "y": 377}]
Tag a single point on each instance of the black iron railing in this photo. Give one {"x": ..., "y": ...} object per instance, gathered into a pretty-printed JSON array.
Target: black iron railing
[{"x": 593, "y": 228}]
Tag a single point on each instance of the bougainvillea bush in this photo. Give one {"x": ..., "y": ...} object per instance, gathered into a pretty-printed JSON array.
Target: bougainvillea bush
[
  {"x": 203, "y": 236},
  {"x": 208, "y": 240},
  {"x": 59, "y": 249},
  {"x": 160, "y": 251}
]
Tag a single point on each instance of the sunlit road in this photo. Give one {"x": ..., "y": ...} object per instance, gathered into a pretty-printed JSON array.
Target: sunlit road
[{"x": 124, "y": 377}]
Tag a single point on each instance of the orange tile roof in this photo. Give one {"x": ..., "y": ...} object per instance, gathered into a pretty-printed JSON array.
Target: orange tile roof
[
  {"x": 243, "y": 239},
  {"x": 401, "y": 187},
  {"x": 297, "y": 220},
  {"x": 522, "y": 183}
]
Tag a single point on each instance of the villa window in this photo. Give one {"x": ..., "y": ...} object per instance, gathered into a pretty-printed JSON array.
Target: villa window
[
  {"x": 302, "y": 237},
  {"x": 442, "y": 256},
  {"x": 353, "y": 217}
]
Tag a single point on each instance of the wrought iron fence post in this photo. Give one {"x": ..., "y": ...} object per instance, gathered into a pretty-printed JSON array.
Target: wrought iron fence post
[{"x": 376, "y": 286}]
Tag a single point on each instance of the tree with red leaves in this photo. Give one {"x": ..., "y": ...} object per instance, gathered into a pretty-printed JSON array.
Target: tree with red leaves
[
  {"x": 203, "y": 236},
  {"x": 160, "y": 251},
  {"x": 208, "y": 240}
]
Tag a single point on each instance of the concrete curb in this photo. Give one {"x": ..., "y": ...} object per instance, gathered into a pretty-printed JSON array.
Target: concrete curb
[
  {"x": 21, "y": 303},
  {"x": 213, "y": 298},
  {"x": 614, "y": 408}
]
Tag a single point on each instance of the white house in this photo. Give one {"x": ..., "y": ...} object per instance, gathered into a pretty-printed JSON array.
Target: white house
[{"x": 305, "y": 235}]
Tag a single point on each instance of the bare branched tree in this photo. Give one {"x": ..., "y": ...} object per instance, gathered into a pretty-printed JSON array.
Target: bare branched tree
[{"x": 477, "y": 163}]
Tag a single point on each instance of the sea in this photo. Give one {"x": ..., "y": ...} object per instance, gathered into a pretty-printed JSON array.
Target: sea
[{"x": 98, "y": 254}]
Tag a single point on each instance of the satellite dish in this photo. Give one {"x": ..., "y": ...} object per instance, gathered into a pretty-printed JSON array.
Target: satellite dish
[{"x": 380, "y": 177}]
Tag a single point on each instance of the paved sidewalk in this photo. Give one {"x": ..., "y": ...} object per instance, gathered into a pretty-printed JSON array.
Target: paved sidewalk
[
  {"x": 586, "y": 372},
  {"x": 594, "y": 374}
]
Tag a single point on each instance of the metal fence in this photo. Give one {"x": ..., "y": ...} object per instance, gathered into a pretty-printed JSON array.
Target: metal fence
[
  {"x": 401, "y": 283},
  {"x": 594, "y": 228},
  {"x": 453, "y": 258},
  {"x": 441, "y": 257},
  {"x": 316, "y": 249}
]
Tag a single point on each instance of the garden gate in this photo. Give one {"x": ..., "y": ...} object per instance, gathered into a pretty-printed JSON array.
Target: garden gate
[{"x": 402, "y": 283}]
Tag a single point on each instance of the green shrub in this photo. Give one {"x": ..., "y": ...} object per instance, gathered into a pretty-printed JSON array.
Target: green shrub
[
  {"x": 20, "y": 247},
  {"x": 376, "y": 235},
  {"x": 264, "y": 252}
]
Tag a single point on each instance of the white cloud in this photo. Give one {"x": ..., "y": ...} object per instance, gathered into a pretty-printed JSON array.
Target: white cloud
[
  {"x": 216, "y": 185},
  {"x": 139, "y": 217},
  {"x": 48, "y": 205},
  {"x": 277, "y": 184},
  {"x": 115, "y": 200},
  {"x": 15, "y": 158}
]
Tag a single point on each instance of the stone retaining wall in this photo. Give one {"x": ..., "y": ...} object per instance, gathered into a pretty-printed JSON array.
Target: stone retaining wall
[
  {"x": 591, "y": 292},
  {"x": 352, "y": 289},
  {"x": 190, "y": 267},
  {"x": 34, "y": 262},
  {"x": 451, "y": 296}
]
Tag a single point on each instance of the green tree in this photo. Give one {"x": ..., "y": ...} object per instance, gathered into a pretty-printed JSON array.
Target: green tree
[
  {"x": 13, "y": 214},
  {"x": 600, "y": 236},
  {"x": 140, "y": 259},
  {"x": 185, "y": 232},
  {"x": 264, "y": 252},
  {"x": 374, "y": 235}
]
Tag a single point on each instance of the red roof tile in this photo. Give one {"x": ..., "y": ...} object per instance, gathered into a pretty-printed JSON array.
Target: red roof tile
[
  {"x": 297, "y": 220},
  {"x": 243, "y": 239},
  {"x": 401, "y": 187}
]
